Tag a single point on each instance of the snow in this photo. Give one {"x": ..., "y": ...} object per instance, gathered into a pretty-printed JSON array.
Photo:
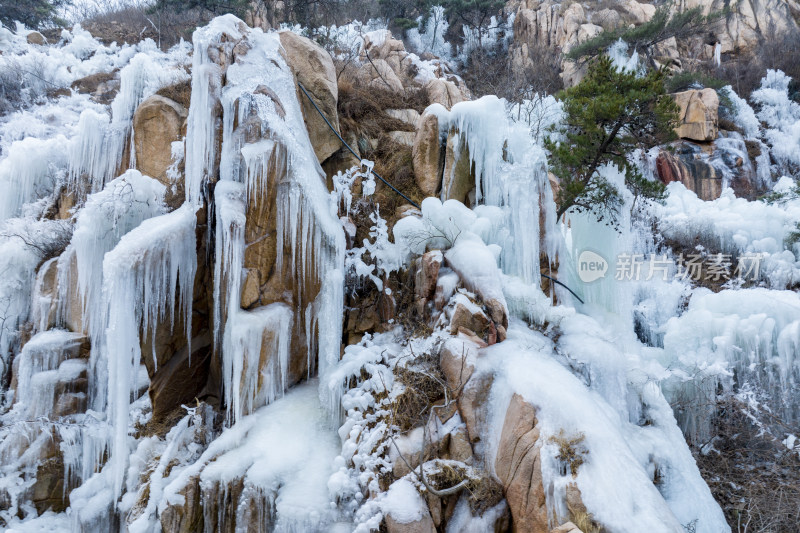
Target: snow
[
  {"x": 284, "y": 450},
  {"x": 735, "y": 226},
  {"x": 781, "y": 116},
  {"x": 615, "y": 484},
  {"x": 403, "y": 502},
  {"x": 753, "y": 332},
  {"x": 432, "y": 37},
  {"x": 608, "y": 369},
  {"x": 476, "y": 265},
  {"x": 743, "y": 114},
  {"x": 618, "y": 52}
]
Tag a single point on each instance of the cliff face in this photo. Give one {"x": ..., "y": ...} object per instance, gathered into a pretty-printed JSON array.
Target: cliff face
[{"x": 214, "y": 317}]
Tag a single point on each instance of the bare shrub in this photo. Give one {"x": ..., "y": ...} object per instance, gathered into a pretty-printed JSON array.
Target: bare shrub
[
  {"x": 490, "y": 71},
  {"x": 751, "y": 473},
  {"x": 130, "y": 21}
]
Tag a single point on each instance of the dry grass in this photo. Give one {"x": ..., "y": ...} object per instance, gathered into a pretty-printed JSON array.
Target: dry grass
[
  {"x": 181, "y": 93},
  {"x": 362, "y": 115},
  {"x": 423, "y": 388},
  {"x": 571, "y": 451},
  {"x": 585, "y": 522}
]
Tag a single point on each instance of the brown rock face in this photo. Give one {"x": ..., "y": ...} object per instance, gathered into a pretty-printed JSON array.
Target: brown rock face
[
  {"x": 427, "y": 274},
  {"x": 698, "y": 114},
  {"x": 428, "y": 155},
  {"x": 473, "y": 320},
  {"x": 459, "y": 177},
  {"x": 519, "y": 467},
  {"x": 157, "y": 123},
  {"x": 689, "y": 166},
  {"x": 313, "y": 67}
]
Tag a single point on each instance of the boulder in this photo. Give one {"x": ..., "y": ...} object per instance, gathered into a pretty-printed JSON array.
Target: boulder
[
  {"x": 443, "y": 92},
  {"x": 380, "y": 75},
  {"x": 410, "y": 116},
  {"x": 157, "y": 123},
  {"x": 313, "y": 67},
  {"x": 35, "y": 37},
  {"x": 518, "y": 466},
  {"x": 428, "y": 155},
  {"x": 423, "y": 525},
  {"x": 698, "y": 114},
  {"x": 468, "y": 315}
]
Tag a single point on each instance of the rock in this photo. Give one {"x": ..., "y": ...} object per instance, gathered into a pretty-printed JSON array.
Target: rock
[
  {"x": 750, "y": 21},
  {"x": 458, "y": 177},
  {"x": 410, "y": 116},
  {"x": 403, "y": 507},
  {"x": 609, "y": 19},
  {"x": 568, "y": 527},
  {"x": 469, "y": 316},
  {"x": 379, "y": 74},
  {"x": 698, "y": 114},
  {"x": 35, "y": 37},
  {"x": 457, "y": 360},
  {"x": 181, "y": 379},
  {"x": 428, "y": 155},
  {"x": 48, "y": 491},
  {"x": 313, "y": 67},
  {"x": 185, "y": 517},
  {"x": 250, "y": 289},
  {"x": 632, "y": 12},
  {"x": 472, "y": 404},
  {"x": 423, "y": 525},
  {"x": 459, "y": 448},
  {"x": 103, "y": 86},
  {"x": 518, "y": 466},
  {"x": 443, "y": 92},
  {"x": 403, "y": 137},
  {"x": 689, "y": 165},
  {"x": 157, "y": 123},
  {"x": 427, "y": 274}
]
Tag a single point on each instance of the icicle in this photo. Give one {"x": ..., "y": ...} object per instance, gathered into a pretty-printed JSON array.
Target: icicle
[
  {"x": 41, "y": 304},
  {"x": 30, "y": 170},
  {"x": 511, "y": 173},
  {"x": 206, "y": 85},
  {"x": 260, "y": 96},
  {"x": 142, "y": 277},
  {"x": 101, "y": 141},
  {"x": 106, "y": 216}
]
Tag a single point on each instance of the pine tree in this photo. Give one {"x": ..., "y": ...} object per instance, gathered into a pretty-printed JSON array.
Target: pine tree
[
  {"x": 609, "y": 114},
  {"x": 32, "y": 13}
]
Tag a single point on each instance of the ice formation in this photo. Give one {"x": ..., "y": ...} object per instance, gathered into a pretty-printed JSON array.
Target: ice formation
[{"x": 119, "y": 269}]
